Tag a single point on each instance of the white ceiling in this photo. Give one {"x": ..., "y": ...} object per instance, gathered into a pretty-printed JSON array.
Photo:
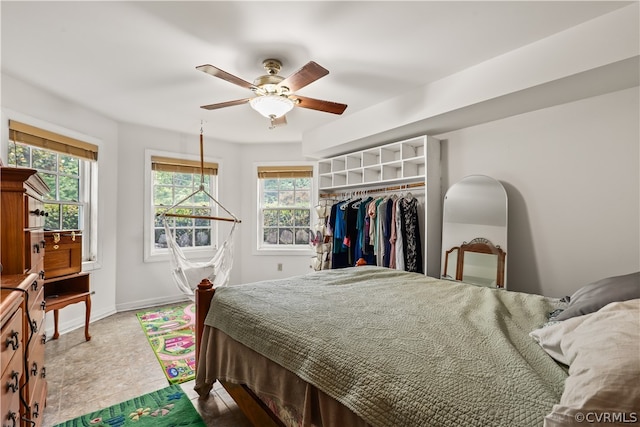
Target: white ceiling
[{"x": 135, "y": 61}]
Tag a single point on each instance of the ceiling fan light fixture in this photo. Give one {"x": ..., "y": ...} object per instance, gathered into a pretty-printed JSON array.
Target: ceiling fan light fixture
[{"x": 271, "y": 105}]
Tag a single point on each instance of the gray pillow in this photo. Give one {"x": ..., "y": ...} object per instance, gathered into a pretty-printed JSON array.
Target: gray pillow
[{"x": 594, "y": 296}]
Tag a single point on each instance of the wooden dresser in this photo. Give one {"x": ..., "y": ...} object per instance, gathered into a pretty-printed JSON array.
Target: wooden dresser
[{"x": 22, "y": 305}]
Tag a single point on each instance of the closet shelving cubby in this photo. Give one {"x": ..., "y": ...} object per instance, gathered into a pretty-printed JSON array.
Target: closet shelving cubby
[
  {"x": 394, "y": 163},
  {"x": 414, "y": 162}
]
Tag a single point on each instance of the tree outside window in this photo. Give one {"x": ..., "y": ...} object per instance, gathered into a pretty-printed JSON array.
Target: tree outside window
[
  {"x": 62, "y": 174},
  {"x": 285, "y": 206},
  {"x": 176, "y": 180},
  {"x": 68, "y": 166}
]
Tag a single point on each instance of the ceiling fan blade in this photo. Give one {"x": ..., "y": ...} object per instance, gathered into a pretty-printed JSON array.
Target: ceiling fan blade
[
  {"x": 217, "y": 72},
  {"x": 305, "y": 75},
  {"x": 317, "y": 104},
  {"x": 278, "y": 121},
  {"x": 225, "y": 104}
]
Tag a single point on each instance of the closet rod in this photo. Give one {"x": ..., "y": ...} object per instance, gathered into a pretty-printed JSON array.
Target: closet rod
[{"x": 374, "y": 190}]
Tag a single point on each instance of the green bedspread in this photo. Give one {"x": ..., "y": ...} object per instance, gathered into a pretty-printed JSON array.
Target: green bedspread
[{"x": 402, "y": 349}]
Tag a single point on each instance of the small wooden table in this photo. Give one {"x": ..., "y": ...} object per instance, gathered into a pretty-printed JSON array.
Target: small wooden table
[{"x": 61, "y": 291}]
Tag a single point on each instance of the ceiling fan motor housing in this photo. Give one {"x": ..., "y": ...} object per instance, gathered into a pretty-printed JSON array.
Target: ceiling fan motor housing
[{"x": 269, "y": 83}]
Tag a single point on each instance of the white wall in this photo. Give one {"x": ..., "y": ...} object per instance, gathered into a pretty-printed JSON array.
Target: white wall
[
  {"x": 254, "y": 266},
  {"x": 26, "y": 103},
  {"x": 572, "y": 177}
]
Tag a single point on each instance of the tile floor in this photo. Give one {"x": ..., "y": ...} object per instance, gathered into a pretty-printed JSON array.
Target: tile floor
[{"x": 116, "y": 365}]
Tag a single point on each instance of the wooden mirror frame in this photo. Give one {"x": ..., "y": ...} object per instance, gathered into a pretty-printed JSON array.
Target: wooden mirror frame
[{"x": 483, "y": 246}]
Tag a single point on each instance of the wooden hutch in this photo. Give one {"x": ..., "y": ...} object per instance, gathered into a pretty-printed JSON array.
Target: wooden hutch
[{"x": 22, "y": 299}]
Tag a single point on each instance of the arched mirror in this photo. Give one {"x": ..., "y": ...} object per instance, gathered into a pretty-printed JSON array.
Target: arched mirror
[{"x": 474, "y": 232}]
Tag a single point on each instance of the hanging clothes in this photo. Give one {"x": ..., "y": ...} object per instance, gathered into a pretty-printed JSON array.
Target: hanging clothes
[
  {"x": 361, "y": 223},
  {"x": 412, "y": 248},
  {"x": 377, "y": 230},
  {"x": 399, "y": 253},
  {"x": 385, "y": 229},
  {"x": 349, "y": 213},
  {"x": 393, "y": 236}
]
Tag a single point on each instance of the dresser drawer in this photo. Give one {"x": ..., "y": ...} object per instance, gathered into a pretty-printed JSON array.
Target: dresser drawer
[
  {"x": 11, "y": 339},
  {"x": 37, "y": 307},
  {"x": 36, "y": 248},
  {"x": 10, "y": 381},
  {"x": 37, "y": 404},
  {"x": 35, "y": 213},
  {"x": 34, "y": 288},
  {"x": 37, "y": 370}
]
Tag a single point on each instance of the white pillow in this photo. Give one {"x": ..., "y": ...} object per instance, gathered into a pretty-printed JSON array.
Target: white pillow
[
  {"x": 550, "y": 337},
  {"x": 602, "y": 350}
]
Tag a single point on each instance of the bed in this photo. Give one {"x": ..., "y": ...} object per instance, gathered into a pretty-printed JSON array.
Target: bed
[{"x": 371, "y": 346}]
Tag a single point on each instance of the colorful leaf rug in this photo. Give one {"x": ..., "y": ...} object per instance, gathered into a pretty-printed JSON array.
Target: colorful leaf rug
[
  {"x": 168, "y": 407},
  {"x": 171, "y": 333}
]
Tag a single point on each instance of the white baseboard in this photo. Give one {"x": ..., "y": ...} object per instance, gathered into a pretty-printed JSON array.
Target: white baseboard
[
  {"x": 78, "y": 322},
  {"x": 151, "y": 302}
]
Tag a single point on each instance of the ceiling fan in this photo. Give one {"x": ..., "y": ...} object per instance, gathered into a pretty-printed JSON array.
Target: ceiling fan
[{"x": 274, "y": 95}]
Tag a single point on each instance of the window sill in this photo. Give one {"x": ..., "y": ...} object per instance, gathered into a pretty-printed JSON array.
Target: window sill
[
  {"x": 91, "y": 265},
  {"x": 165, "y": 256},
  {"x": 284, "y": 252}
]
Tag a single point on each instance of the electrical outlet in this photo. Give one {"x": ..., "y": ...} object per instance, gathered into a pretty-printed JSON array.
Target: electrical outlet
[{"x": 279, "y": 266}]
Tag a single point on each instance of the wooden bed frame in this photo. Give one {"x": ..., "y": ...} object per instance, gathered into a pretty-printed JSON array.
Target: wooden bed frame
[{"x": 253, "y": 408}]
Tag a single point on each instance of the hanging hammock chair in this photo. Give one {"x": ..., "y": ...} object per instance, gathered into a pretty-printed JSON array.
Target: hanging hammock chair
[{"x": 188, "y": 274}]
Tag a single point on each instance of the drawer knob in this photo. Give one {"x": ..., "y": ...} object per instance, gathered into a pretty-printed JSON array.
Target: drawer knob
[
  {"x": 34, "y": 326},
  {"x": 43, "y": 305},
  {"x": 11, "y": 417},
  {"x": 43, "y": 374},
  {"x": 34, "y": 369},
  {"x": 13, "y": 385},
  {"x": 13, "y": 341},
  {"x": 36, "y": 410},
  {"x": 34, "y": 285}
]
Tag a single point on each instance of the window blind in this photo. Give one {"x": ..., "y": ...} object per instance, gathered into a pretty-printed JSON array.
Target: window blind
[
  {"x": 31, "y": 135},
  {"x": 169, "y": 164},
  {"x": 267, "y": 172}
]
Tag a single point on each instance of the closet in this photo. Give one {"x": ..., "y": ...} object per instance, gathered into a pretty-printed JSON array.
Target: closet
[{"x": 407, "y": 170}]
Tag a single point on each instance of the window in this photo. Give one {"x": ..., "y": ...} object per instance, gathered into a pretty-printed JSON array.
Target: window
[
  {"x": 68, "y": 167},
  {"x": 284, "y": 201},
  {"x": 174, "y": 181}
]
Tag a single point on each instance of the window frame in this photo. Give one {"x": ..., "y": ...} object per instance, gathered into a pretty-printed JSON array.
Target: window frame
[
  {"x": 153, "y": 254},
  {"x": 290, "y": 250},
  {"x": 88, "y": 184}
]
